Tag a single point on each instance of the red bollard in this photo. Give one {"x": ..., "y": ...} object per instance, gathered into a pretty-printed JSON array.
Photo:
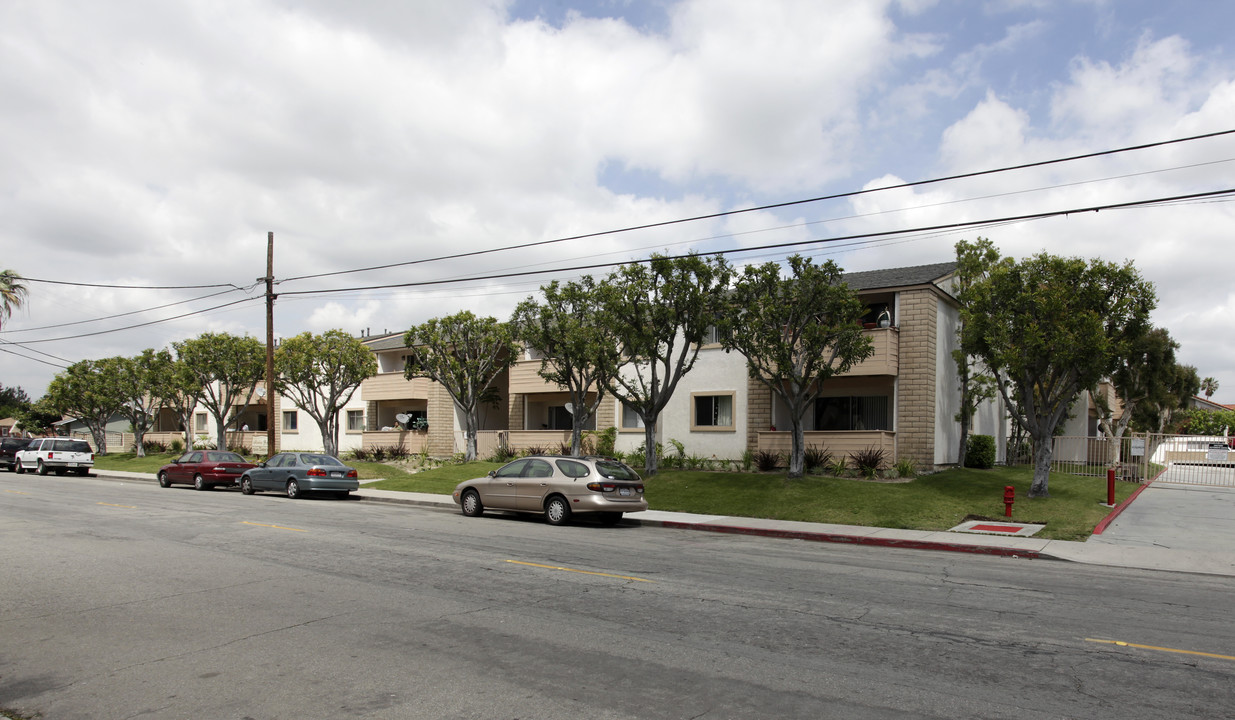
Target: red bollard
[
  {"x": 1110, "y": 486},
  {"x": 1009, "y": 494}
]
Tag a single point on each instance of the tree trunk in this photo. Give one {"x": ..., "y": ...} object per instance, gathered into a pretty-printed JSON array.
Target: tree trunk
[
  {"x": 469, "y": 437},
  {"x": 650, "y": 461},
  {"x": 139, "y": 435},
  {"x": 797, "y": 452},
  {"x": 1042, "y": 450}
]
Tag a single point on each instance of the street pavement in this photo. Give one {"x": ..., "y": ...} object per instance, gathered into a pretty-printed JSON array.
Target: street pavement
[{"x": 1163, "y": 526}]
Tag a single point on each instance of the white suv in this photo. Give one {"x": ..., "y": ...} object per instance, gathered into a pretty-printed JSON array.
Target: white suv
[{"x": 56, "y": 454}]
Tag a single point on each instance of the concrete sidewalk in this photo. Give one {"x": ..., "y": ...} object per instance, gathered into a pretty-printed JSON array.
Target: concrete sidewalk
[{"x": 1137, "y": 535}]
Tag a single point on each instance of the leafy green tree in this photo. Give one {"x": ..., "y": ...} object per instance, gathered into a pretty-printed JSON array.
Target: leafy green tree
[
  {"x": 137, "y": 376},
  {"x": 13, "y": 401},
  {"x": 91, "y": 391},
  {"x": 39, "y": 418},
  {"x": 660, "y": 313},
  {"x": 1159, "y": 412},
  {"x": 227, "y": 368},
  {"x": 179, "y": 390},
  {"x": 12, "y": 293},
  {"x": 578, "y": 347},
  {"x": 320, "y": 373},
  {"x": 1147, "y": 373},
  {"x": 1209, "y": 386},
  {"x": 795, "y": 332},
  {"x": 973, "y": 261},
  {"x": 464, "y": 354},
  {"x": 1049, "y": 327}
]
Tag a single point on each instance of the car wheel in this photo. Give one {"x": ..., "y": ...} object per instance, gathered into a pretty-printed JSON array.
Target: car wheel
[
  {"x": 199, "y": 482},
  {"x": 246, "y": 485},
  {"x": 609, "y": 518},
  {"x": 557, "y": 512},
  {"x": 17, "y": 468},
  {"x": 163, "y": 481},
  {"x": 293, "y": 489},
  {"x": 42, "y": 468},
  {"x": 472, "y": 507}
]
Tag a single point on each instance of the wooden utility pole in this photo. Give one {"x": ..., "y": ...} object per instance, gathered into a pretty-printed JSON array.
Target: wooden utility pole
[{"x": 270, "y": 418}]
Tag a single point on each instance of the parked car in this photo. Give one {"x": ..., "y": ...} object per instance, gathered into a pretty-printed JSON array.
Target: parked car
[
  {"x": 8, "y": 451},
  {"x": 557, "y": 487},
  {"x": 58, "y": 455},
  {"x": 296, "y": 473},
  {"x": 205, "y": 469}
]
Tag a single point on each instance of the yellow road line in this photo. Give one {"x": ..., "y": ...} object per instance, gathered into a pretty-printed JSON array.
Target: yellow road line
[
  {"x": 1121, "y": 643},
  {"x": 17, "y": 492},
  {"x": 277, "y": 527},
  {"x": 581, "y": 572},
  {"x": 130, "y": 507}
]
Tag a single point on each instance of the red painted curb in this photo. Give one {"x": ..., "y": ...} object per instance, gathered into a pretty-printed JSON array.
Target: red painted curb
[
  {"x": 1110, "y": 518},
  {"x": 855, "y": 539}
]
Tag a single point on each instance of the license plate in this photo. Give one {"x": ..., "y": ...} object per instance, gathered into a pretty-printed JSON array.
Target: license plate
[
  {"x": 72, "y": 464},
  {"x": 336, "y": 474},
  {"x": 623, "y": 491}
]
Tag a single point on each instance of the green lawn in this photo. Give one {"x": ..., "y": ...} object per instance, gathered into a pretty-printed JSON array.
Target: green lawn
[{"x": 932, "y": 502}]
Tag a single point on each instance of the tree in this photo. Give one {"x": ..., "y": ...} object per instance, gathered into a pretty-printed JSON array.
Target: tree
[
  {"x": 1156, "y": 414},
  {"x": 137, "y": 376},
  {"x": 320, "y": 373},
  {"x": 12, "y": 293},
  {"x": 973, "y": 261},
  {"x": 660, "y": 313},
  {"x": 13, "y": 401},
  {"x": 464, "y": 354},
  {"x": 1145, "y": 373},
  {"x": 180, "y": 391},
  {"x": 39, "y": 418},
  {"x": 1049, "y": 327},
  {"x": 1209, "y": 386},
  {"x": 90, "y": 391},
  {"x": 227, "y": 368},
  {"x": 577, "y": 345},
  {"x": 796, "y": 332}
]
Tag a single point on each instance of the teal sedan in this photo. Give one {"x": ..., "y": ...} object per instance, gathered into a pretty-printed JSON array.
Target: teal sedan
[{"x": 296, "y": 473}]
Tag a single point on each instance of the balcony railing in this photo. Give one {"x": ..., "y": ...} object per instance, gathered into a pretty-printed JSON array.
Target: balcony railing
[
  {"x": 886, "y": 360},
  {"x": 393, "y": 386},
  {"x": 524, "y": 379},
  {"x": 839, "y": 443}
]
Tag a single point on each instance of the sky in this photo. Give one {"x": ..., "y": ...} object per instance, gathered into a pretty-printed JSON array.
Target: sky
[{"x": 436, "y": 149}]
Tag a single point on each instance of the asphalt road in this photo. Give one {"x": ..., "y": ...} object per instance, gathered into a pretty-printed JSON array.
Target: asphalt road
[{"x": 125, "y": 600}]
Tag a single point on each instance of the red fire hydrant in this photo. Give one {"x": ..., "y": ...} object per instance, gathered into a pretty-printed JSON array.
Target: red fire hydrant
[{"x": 1009, "y": 495}]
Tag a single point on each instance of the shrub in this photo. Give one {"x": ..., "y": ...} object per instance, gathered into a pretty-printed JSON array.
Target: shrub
[
  {"x": 980, "y": 452},
  {"x": 564, "y": 448},
  {"x": 398, "y": 452},
  {"x": 868, "y": 461},
  {"x": 905, "y": 468},
  {"x": 601, "y": 443},
  {"x": 817, "y": 458},
  {"x": 535, "y": 450},
  {"x": 154, "y": 447},
  {"x": 176, "y": 447},
  {"x": 766, "y": 461},
  {"x": 361, "y": 455},
  {"x": 838, "y": 467},
  {"x": 748, "y": 460},
  {"x": 502, "y": 454}
]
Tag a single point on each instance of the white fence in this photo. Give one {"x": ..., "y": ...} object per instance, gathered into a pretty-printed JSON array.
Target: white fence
[{"x": 1190, "y": 459}]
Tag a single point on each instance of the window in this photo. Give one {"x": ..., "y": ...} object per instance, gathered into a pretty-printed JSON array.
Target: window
[
  {"x": 290, "y": 418},
  {"x": 711, "y": 336},
  {"x": 630, "y": 418},
  {"x": 355, "y": 420},
  {"x": 712, "y": 411},
  {"x": 560, "y": 419},
  {"x": 862, "y": 412},
  {"x": 573, "y": 469},
  {"x": 199, "y": 423}
]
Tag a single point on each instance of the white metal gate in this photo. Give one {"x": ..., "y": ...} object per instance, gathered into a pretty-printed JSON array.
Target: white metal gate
[{"x": 1188, "y": 459}]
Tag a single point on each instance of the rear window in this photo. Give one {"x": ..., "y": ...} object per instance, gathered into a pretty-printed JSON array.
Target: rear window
[
  {"x": 80, "y": 446},
  {"x": 215, "y": 456},
  {"x": 616, "y": 470},
  {"x": 14, "y": 443},
  {"x": 319, "y": 460}
]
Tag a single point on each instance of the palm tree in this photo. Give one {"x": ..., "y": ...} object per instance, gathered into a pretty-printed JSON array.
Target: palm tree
[
  {"x": 12, "y": 293},
  {"x": 1209, "y": 386}
]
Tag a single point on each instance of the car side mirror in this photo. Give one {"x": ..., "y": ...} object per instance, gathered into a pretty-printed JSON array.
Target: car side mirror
[{"x": 493, "y": 473}]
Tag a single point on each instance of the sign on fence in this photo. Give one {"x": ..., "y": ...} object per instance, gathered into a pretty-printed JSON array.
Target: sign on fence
[
  {"x": 1138, "y": 447},
  {"x": 259, "y": 445},
  {"x": 1216, "y": 453}
]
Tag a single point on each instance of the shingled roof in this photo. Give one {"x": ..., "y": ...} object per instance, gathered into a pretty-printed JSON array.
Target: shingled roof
[{"x": 898, "y": 277}]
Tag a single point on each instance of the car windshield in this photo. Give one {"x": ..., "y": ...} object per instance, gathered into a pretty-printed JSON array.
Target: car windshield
[
  {"x": 215, "y": 456},
  {"x": 72, "y": 446},
  {"x": 320, "y": 460},
  {"x": 615, "y": 470}
]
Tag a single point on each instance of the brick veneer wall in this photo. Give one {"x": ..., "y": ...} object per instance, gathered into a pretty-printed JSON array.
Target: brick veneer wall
[
  {"x": 514, "y": 415},
  {"x": 758, "y": 411},
  {"x": 442, "y": 422},
  {"x": 915, "y": 414}
]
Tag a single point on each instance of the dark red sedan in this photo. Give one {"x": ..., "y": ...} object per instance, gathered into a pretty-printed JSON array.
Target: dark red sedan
[{"x": 204, "y": 469}]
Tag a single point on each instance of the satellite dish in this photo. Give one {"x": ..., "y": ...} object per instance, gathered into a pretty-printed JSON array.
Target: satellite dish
[
  {"x": 402, "y": 418},
  {"x": 261, "y": 392},
  {"x": 570, "y": 408}
]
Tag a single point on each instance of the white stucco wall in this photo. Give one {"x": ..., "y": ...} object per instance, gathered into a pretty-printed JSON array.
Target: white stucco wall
[{"x": 947, "y": 385}]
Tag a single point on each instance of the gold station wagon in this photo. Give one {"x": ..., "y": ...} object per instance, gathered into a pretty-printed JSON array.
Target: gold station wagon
[{"x": 557, "y": 487}]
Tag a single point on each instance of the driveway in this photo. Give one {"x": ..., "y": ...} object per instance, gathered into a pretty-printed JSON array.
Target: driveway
[{"x": 1177, "y": 517}]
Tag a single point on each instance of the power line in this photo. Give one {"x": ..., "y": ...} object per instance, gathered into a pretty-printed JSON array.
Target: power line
[
  {"x": 119, "y": 315},
  {"x": 27, "y": 357},
  {"x": 145, "y": 324},
  {"x": 133, "y": 287},
  {"x": 773, "y": 206},
  {"x": 799, "y": 243}
]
